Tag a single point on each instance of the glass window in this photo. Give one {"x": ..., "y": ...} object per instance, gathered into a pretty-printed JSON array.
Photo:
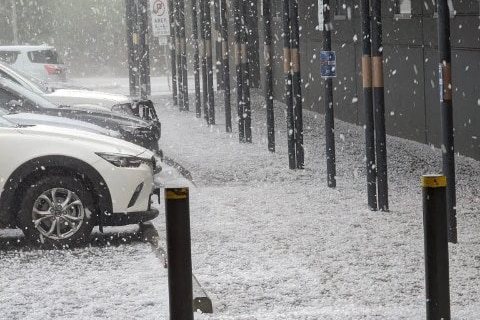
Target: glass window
[
  {"x": 341, "y": 11},
  {"x": 9, "y": 56},
  {"x": 44, "y": 56},
  {"x": 402, "y": 7}
]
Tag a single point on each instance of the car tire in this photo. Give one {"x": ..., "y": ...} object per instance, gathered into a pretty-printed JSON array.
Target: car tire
[{"x": 57, "y": 211}]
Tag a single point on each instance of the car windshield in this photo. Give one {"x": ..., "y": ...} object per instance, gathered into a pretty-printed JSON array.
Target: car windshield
[
  {"x": 44, "y": 56},
  {"x": 24, "y": 79},
  {"x": 17, "y": 89}
]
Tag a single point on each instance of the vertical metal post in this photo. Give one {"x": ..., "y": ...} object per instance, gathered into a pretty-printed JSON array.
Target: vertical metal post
[
  {"x": 204, "y": 62},
  {"x": 178, "y": 45},
  {"x": 218, "y": 44},
  {"x": 196, "y": 60},
  {"x": 145, "y": 87},
  {"x": 180, "y": 288},
  {"x": 208, "y": 50},
  {"x": 296, "y": 84},
  {"x": 238, "y": 69},
  {"x": 14, "y": 22},
  {"x": 183, "y": 54},
  {"x": 173, "y": 51},
  {"x": 329, "y": 111},
  {"x": 368, "y": 104},
  {"x": 226, "y": 65},
  {"x": 379, "y": 105},
  {"x": 445, "y": 85},
  {"x": 292, "y": 163},
  {"x": 247, "y": 112},
  {"x": 436, "y": 247},
  {"x": 132, "y": 41},
  {"x": 268, "y": 52}
]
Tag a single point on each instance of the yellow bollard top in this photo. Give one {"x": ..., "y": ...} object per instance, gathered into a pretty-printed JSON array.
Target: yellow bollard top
[
  {"x": 176, "y": 193},
  {"x": 434, "y": 181}
]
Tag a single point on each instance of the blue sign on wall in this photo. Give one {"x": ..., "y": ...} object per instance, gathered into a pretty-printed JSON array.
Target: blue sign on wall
[{"x": 328, "y": 64}]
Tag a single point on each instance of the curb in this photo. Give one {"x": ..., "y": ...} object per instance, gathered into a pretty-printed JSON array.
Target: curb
[{"x": 201, "y": 302}]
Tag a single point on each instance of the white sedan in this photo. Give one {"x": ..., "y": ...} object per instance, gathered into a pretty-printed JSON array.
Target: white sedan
[{"x": 59, "y": 183}]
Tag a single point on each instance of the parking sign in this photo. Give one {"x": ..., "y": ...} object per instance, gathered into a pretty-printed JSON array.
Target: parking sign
[{"x": 160, "y": 18}]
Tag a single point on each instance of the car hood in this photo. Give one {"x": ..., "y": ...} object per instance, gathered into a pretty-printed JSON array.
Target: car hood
[
  {"x": 41, "y": 119},
  {"x": 102, "y": 112},
  {"x": 96, "y": 141},
  {"x": 74, "y": 97}
]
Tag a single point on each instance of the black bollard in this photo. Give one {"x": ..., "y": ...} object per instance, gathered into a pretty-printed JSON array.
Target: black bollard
[
  {"x": 436, "y": 247},
  {"x": 179, "y": 253}
]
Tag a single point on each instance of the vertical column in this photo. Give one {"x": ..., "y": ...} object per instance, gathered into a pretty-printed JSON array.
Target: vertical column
[
  {"x": 204, "y": 61},
  {"x": 179, "y": 252},
  {"x": 446, "y": 105},
  {"x": 145, "y": 87},
  {"x": 379, "y": 105},
  {"x": 329, "y": 111},
  {"x": 173, "y": 51},
  {"x": 247, "y": 112},
  {"x": 238, "y": 69},
  {"x": 436, "y": 247},
  {"x": 296, "y": 84},
  {"x": 183, "y": 54},
  {"x": 132, "y": 43},
  {"x": 368, "y": 104},
  {"x": 208, "y": 51},
  {"x": 196, "y": 60},
  {"x": 178, "y": 45},
  {"x": 288, "y": 85},
  {"x": 226, "y": 65},
  {"x": 268, "y": 52}
]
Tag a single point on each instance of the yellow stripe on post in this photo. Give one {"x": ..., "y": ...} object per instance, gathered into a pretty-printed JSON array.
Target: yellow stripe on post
[
  {"x": 434, "y": 181},
  {"x": 176, "y": 194}
]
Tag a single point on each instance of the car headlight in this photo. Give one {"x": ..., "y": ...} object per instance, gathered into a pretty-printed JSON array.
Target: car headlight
[{"x": 124, "y": 160}]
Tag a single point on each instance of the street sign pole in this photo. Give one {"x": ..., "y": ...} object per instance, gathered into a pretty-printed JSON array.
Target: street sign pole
[
  {"x": 445, "y": 82},
  {"x": 329, "y": 72}
]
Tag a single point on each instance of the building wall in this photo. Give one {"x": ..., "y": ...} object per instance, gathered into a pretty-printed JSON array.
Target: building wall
[{"x": 410, "y": 69}]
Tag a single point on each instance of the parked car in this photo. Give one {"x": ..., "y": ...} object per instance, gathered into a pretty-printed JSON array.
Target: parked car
[
  {"x": 65, "y": 95},
  {"x": 15, "y": 98},
  {"x": 59, "y": 183},
  {"x": 41, "y": 61}
]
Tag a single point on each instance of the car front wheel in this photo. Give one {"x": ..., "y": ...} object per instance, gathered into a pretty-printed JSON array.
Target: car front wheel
[{"x": 56, "y": 211}]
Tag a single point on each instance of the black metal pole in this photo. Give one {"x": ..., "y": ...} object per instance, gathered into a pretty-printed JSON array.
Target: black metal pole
[
  {"x": 173, "y": 51},
  {"x": 180, "y": 288},
  {"x": 204, "y": 62},
  {"x": 292, "y": 163},
  {"x": 329, "y": 111},
  {"x": 268, "y": 52},
  {"x": 296, "y": 84},
  {"x": 247, "y": 111},
  {"x": 196, "y": 60},
  {"x": 183, "y": 47},
  {"x": 131, "y": 43},
  {"x": 379, "y": 105},
  {"x": 145, "y": 87},
  {"x": 445, "y": 82},
  {"x": 436, "y": 247},
  {"x": 208, "y": 49},
  {"x": 226, "y": 65},
  {"x": 218, "y": 44},
  {"x": 368, "y": 104},
  {"x": 238, "y": 69},
  {"x": 178, "y": 45}
]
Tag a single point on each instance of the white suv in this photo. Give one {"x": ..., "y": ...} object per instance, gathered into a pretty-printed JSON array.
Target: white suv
[
  {"x": 42, "y": 62},
  {"x": 57, "y": 184}
]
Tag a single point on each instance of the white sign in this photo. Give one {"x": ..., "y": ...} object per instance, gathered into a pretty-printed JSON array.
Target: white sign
[
  {"x": 163, "y": 41},
  {"x": 320, "y": 15},
  {"x": 160, "y": 18}
]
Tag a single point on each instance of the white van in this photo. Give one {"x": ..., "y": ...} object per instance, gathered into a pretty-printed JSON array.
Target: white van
[{"x": 42, "y": 62}]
